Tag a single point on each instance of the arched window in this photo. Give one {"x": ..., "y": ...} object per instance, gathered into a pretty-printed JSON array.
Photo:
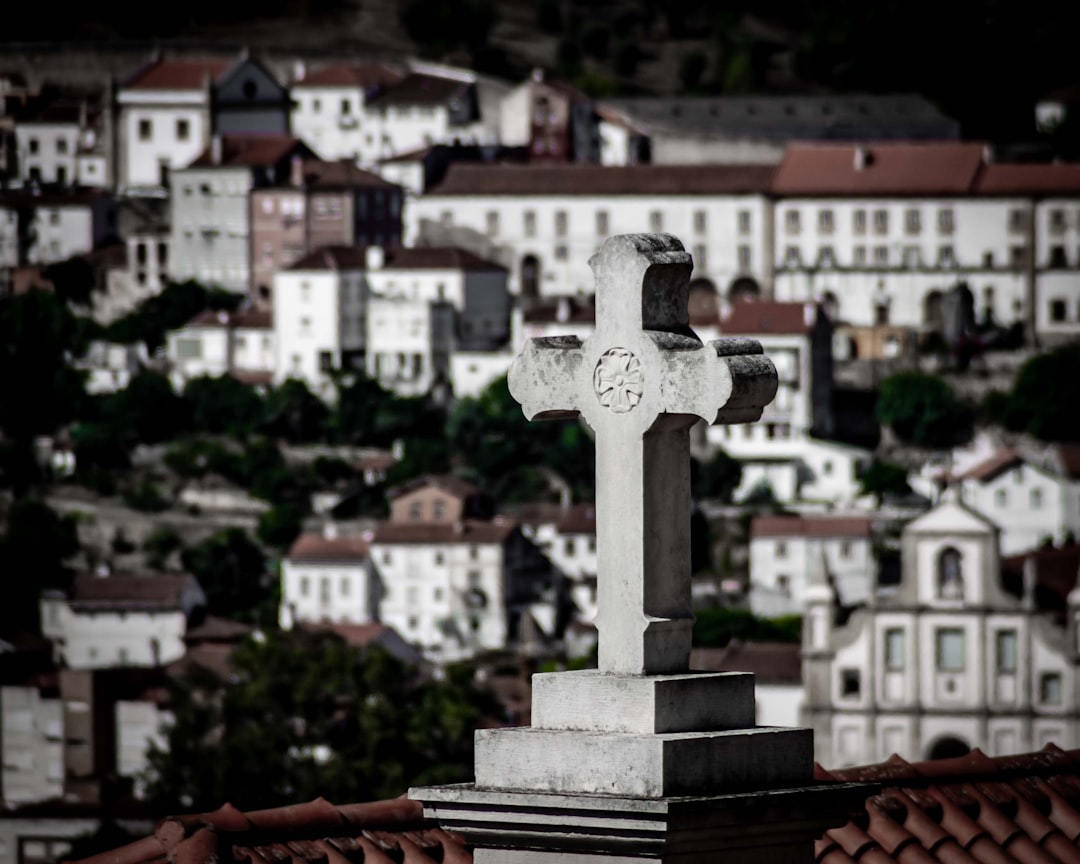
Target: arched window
[{"x": 950, "y": 577}]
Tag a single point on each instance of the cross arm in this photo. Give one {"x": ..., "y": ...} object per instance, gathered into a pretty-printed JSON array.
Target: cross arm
[
  {"x": 724, "y": 381},
  {"x": 543, "y": 378}
]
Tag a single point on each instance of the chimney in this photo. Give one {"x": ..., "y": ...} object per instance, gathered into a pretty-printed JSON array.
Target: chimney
[
  {"x": 216, "y": 150},
  {"x": 862, "y": 158},
  {"x": 374, "y": 257}
]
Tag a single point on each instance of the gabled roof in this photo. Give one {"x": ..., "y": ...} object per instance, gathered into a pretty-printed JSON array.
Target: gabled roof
[
  {"x": 447, "y": 482},
  {"x": 833, "y": 170},
  {"x": 316, "y": 547},
  {"x": 951, "y": 514},
  {"x": 349, "y": 75},
  {"x": 810, "y": 526},
  {"x": 580, "y": 179},
  {"x": 332, "y": 258},
  {"x": 444, "y": 533},
  {"x": 177, "y": 74},
  {"x": 251, "y": 151},
  {"x": 994, "y": 466},
  {"x": 419, "y": 89},
  {"x": 768, "y": 316}
]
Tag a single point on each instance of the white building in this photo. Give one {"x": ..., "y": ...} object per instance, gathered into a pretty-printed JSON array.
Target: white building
[
  {"x": 879, "y": 233},
  {"x": 330, "y": 109},
  {"x": 109, "y": 620},
  {"x": 327, "y": 579},
  {"x": 49, "y": 143},
  {"x": 785, "y": 549},
  {"x": 1028, "y": 501},
  {"x": 544, "y": 222},
  {"x": 962, "y": 653},
  {"x": 238, "y": 343},
  {"x": 53, "y": 226}
]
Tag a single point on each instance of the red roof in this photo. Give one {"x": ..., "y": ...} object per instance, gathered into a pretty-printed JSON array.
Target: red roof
[
  {"x": 579, "y": 519},
  {"x": 349, "y": 75},
  {"x": 177, "y": 74},
  {"x": 1005, "y": 810},
  {"x": 316, "y": 547},
  {"x": 417, "y": 88},
  {"x": 1041, "y": 180},
  {"x": 341, "y": 174},
  {"x": 251, "y": 151},
  {"x": 768, "y": 316},
  {"x": 396, "y": 258},
  {"x": 469, "y": 531},
  {"x": 770, "y": 662},
  {"x": 447, "y": 482},
  {"x": 580, "y": 179},
  {"x": 831, "y": 170},
  {"x": 354, "y": 635},
  {"x": 994, "y": 466},
  {"x": 969, "y": 810},
  {"x": 810, "y": 526},
  {"x": 160, "y": 592}
]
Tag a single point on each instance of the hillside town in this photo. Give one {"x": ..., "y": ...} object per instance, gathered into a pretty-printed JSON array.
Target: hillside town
[{"x": 256, "y": 323}]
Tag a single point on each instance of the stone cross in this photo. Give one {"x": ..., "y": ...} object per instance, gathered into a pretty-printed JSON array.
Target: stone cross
[{"x": 640, "y": 382}]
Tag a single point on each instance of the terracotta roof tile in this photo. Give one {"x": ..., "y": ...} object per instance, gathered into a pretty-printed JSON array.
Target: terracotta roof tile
[
  {"x": 810, "y": 526},
  {"x": 349, "y": 75},
  {"x": 355, "y": 635},
  {"x": 341, "y": 174},
  {"x": 159, "y": 592},
  {"x": 466, "y": 179},
  {"x": 316, "y": 547},
  {"x": 251, "y": 151},
  {"x": 888, "y": 169},
  {"x": 1044, "y": 180},
  {"x": 768, "y": 316},
  {"x": 177, "y": 74},
  {"x": 993, "y": 466},
  {"x": 468, "y": 531}
]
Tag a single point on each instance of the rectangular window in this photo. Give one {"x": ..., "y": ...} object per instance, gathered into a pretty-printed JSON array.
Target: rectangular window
[
  {"x": 1050, "y": 688},
  {"x": 850, "y": 682},
  {"x": 32, "y": 145},
  {"x": 183, "y": 130},
  {"x": 946, "y": 256},
  {"x": 699, "y": 256},
  {"x": 950, "y": 650},
  {"x": 1057, "y": 310},
  {"x": 561, "y": 222},
  {"x": 561, "y": 253},
  {"x": 656, "y": 221},
  {"x": 894, "y": 649},
  {"x": 529, "y": 223},
  {"x": 1057, "y": 221},
  {"x": 701, "y": 222},
  {"x": 912, "y": 257},
  {"x": 743, "y": 220},
  {"x": 881, "y": 221},
  {"x": 1058, "y": 259},
  {"x": 492, "y": 223},
  {"x": 146, "y": 130},
  {"x": 1017, "y": 220},
  {"x": 781, "y": 549},
  {"x": 791, "y": 222},
  {"x": 945, "y": 222},
  {"x": 858, "y": 222},
  {"x": 859, "y": 256},
  {"x": 881, "y": 255},
  {"x": 791, "y": 259},
  {"x": 825, "y": 221},
  {"x": 602, "y": 226},
  {"x": 346, "y": 107},
  {"x": 1035, "y": 499},
  {"x": 743, "y": 253},
  {"x": 61, "y": 146},
  {"x": 305, "y": 586},
  {"x": 1017, "y": 256},
  {"x": 912, "y": 221},
  {"x": 344, "y": 586},
  {"x": 1005, "y": 658}
]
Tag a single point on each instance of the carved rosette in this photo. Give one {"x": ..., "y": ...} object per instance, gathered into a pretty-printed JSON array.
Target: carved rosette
[{"x": 618, "y": 380}]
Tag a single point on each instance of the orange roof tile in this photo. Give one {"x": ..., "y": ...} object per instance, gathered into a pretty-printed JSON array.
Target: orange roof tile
[
  {"x": 316, "y": 547},
  {"x": 1047, "y": 180},
  {"x": 830, "y": 170},
  {"x": 768, "y": 316},
  {"x": 810, "y": 526},
  {"x": 177, "y": 74}
]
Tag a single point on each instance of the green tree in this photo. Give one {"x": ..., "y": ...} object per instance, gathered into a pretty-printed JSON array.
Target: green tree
[
  {"x": 884, "y": 478},
  {"x": 146, "y": 497},
  {"x": 280, "y": 525},
  {"x": 147, "y": 411},
  {"x": 32, "y": 555},
  {"x": 304, "y": 715},
  {"x": 714, "y": 628},
  {"x": 294, "y": 413},
  {"x": 72, "y": 280},
  {"x": 223, "y": 404},
  {"x": 355, "y": 415},
  {"x": 440, "y": 26},
  {"x": 172, "y": 308},
  {"x": 922, "y": 409},
  {"x": 232, "y": 572},
  {"x": 1036, "y": 403},
  {"x": 159, "y": 546},
  {"x": 691, "y": 70}
]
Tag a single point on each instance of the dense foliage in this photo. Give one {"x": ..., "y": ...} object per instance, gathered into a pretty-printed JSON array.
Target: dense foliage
[
  {"x": 715, "y": 628},
  {"x": 922, "y": 410},
  {"x": 1037, "y": 403},
  {"x": 304, "y": 715}
]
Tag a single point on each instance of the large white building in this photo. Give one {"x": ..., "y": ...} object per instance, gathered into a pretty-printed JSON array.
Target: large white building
[
  {"x": 65, "y": 143},
  {"x": 544, "y": 222},
  {"x": 962, "y": 653},
  {"x": 213, "y": 343},
  {"x": 53, "y": 226},
  {"x": 120, "y": 620},
  {"x": 327, "y": 579},
  {"x": 878, "y": 234}
]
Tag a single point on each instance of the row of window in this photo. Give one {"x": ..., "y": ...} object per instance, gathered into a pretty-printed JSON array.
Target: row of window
[
  {"x": 1035, "y": 498},
  {"x": 181, "y": 128},
  {"x": 861, "y": 219},
  {"x": 912, "y": 257},
  {"x": 603, "y": 222},
  {"x": 345, "y": 108},
  {"x": 781, "y": 549},
  {"x": 33, "y": 146},
  {"x": 440, "y": 558}
]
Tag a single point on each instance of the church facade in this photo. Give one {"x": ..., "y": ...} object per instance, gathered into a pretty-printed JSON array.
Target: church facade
[{"x": 962, "y": 653}]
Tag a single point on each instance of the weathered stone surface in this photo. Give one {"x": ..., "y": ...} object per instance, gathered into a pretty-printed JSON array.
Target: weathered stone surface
[
  {"x": 643, "y": 766},
  {"x": 640, "y": 382},
  {"x": 694, "y": 702}
]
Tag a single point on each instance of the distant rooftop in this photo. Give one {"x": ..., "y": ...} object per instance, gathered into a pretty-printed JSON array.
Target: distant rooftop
[
  {"x": 316, "y": 547},
  {"x": 178, "y": 74},
  {"x": 768, "y": 316},
  {"x": 419, "y": 89},
  {"x": 810, "y": 526},
  {"x": 251, "y": 151},
  {"x": 395, "y": 258},
  {"x": 349, "y": 75}
]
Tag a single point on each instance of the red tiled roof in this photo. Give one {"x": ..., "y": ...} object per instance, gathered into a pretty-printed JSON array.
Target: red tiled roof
[
  {"x": 889, "y": 169},
  {"x": 332, "y": 258},
  {"x": 469, "y": 531},
  {"x": 158, "y": 592},
  {"x": 994, "y": 466},
  {"x": 355, "y": 635},
  {"x": 447, "y": 482},
  {"x": 767, "y": 316},
  {"x": 251, "y": 151},
  {"x": 177, "y": 74},
  {"x": 252, "y": 377},
  {"x": 969, "y": 810},
  {"x": 579, "y": 519},
  {"x": 349, "y": 75},
  {"x": 396, "y": 258},
  {"x": 378, "y": 832},
  {"x": 216, "y": 629},
  {"x": 1042, "y": 180},
  {"x": 316, "y": 547},
  {"x": 770, "y": 662},
  {"x": 810, "y": 526},
  {"x": 466, "y": 179},
  {"x": 341, "y": 174},
  {"x": 419, "y": 89}
]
